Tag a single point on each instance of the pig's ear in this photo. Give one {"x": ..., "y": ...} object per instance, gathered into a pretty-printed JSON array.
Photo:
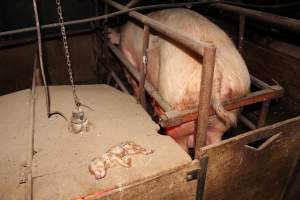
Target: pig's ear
[{"x": 114, "y": 36}]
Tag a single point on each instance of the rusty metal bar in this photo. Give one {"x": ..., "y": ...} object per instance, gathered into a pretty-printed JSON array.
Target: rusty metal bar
[
  {"x": 263, "y": 114},
  {"x": 194, "y": 45},
  {"x": 241, "y": 32},
  {"x": 204, "y": 98},
  {"x": 174, "y": 118},
  {"x": 279, "y": 21},
  {"x": 143, "y": 67},
  {"x": 247, "y": 122},
  {"x": 148, "y": 86}
]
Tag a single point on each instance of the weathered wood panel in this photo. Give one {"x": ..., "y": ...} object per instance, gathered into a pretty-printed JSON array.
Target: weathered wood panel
[
  {"x": 270, "y": 65},
  {"x": 166, "y": 186},
  {"x": 238, "y": 171}
]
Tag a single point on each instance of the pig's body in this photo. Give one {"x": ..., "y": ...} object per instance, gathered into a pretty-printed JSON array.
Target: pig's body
[{"x": 176, "y": 72}]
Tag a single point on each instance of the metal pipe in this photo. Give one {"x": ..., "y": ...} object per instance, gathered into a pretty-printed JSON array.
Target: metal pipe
[
  {"x": 37, "y": 23},
  {"x": 90, "y": 19},
  {"x": 148, "y": 86},
  {"x": 132, "y": 3},
  {"x": 174, "y": 118},
  {"x": 204, "y": 99},
  {"x": 118, "y": 80},
  {"x": 143, "y": 67},
  {"x": 29, "y": 184},
  {"x": 279, "y": 21},
  {"x": 31, "y": 39},
  {"x": 263, "y": 114},
  {"x": 241, "y": 32},
  {"x": 194, "y": 45},
  {"x": 247, "y": 122},
  {"x": 292, "y": 24}
]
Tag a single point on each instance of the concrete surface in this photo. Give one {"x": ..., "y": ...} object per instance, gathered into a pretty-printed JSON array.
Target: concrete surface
[{"x": 60, "y": 164}]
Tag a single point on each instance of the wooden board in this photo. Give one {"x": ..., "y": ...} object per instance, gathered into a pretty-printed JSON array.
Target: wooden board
[
  {"x": 270, "y": 65},
  {"x": 172, "y": 185},
  {"x": 60, "y": 167},
  {"x": 238, "y": 171},
  {"x": 14, "y": 128}
]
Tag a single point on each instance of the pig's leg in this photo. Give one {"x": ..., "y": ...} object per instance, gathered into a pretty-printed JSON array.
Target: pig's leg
[
  {"x": 181, "y": 134},
  {"x": 217, "y": 128}
]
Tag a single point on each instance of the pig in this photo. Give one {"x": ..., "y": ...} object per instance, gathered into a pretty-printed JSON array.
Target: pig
[{"x": 176, "y": 71}]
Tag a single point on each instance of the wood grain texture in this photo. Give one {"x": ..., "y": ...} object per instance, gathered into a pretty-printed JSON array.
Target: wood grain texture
[
  {"x": 172, "y": 185},
  {"x": 238, "y": 171},
  {"x": 269, "y": 65}
]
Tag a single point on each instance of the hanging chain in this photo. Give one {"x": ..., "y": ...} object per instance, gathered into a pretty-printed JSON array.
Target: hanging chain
[{"x": 67, "y": 53}]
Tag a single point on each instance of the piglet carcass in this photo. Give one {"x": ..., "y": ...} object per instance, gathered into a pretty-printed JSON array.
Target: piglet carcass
[{"x": 175, "y": 71}]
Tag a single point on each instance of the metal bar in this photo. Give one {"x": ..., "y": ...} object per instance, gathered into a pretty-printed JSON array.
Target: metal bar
[
  {"x": 148, "y": 86},
  {"x": 202, "y": 178},
  {"x": 28, "y": 40},
  {"x": 194, "y": 45},
  {"x": 292, "y": 24},
  {"x": 279, "y": 21},
  {"x": 241, "y": 32},
  {"x": 247, "y": 122},
  {"x": 90, "y": 19},
  {"x": 263, "y": 114},
  {"x": 132, "y": 3},
  {"x": 259, "y": 83},
  {"x": 37, "y": 23},
  {"x": 143, "y": 68},
  {"x": 174, "y": 118},
  {"x": 29, "y": 184},
  {"x": 105, "y": 38},
  {"x": 118, "y": 80},
  {"x": 204, "y": 98}
]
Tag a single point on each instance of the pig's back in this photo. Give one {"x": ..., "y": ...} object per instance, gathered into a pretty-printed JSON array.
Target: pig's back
[{"x": 178, "y": 76}]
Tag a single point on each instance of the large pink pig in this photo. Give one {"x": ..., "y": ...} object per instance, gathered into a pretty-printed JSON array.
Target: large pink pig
[{"x": 175, "y": 71}]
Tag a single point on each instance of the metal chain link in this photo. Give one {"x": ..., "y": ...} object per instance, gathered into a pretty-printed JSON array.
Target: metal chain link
[{"x": 67, "y": 53}]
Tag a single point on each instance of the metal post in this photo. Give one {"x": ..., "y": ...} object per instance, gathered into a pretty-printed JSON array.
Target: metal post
[
  {"x": 263, "y": 114},
  {"x": 202, "y": 178},
  {"x": 105, "y": 40},
  {"x": 204, "y": 98},
  {"x": 143, "y": 68},
  {"x": 241, "y": 32},
  {"x": 148, "y": 86},
  {"x": 247, "y": 122},
  {"x": 37, "y": 22},
  {"x": 30, "y": 148}
]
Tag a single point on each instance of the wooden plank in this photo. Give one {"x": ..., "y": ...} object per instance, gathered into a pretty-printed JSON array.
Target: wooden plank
[
  {"x": 236, "y": 171},
  {"x": 273, "y": 65},
  {"x": 168, "y": 186}
]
